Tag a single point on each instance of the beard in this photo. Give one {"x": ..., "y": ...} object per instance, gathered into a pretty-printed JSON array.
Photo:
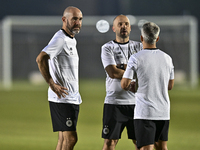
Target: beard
[
  {"x": 123, "y": 34},
  {"x": 71, "y": 28},
  {"x": 75, "y": 31}
]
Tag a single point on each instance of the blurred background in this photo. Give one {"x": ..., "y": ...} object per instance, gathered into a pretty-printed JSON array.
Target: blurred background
[
  {"x": 30, "y": 37},
  {"x": 26, "y": 26}
]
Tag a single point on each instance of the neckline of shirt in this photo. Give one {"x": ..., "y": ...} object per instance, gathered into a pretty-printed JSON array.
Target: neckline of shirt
[
  {"x": 150, "y": 48},
  {"x": 67, "y": 34},
  {"x": 120, "y": 43}
]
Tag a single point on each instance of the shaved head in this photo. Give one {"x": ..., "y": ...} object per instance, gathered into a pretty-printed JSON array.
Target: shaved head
[
  {"x": 122, "y": 28},
  {"x": 69, "y": 10},
  {"x": 72, "y": 20},
  {"x": 120, "y": 17}
]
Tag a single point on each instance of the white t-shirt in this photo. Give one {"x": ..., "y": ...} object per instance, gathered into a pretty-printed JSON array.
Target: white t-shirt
[
  {"x": 113, "y": 53},
  {"x": 63, "y": 66},
  {"x": 154, "y": 69}
]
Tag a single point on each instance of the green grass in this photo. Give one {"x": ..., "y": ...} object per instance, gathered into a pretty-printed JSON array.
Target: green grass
[{"x": 25, "y": 122}]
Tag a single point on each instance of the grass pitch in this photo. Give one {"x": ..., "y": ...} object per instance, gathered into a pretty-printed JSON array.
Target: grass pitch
[{"x": 25, "y": 122}]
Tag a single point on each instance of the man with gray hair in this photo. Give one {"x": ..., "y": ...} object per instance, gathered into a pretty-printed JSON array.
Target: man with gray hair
[
  {"x": 150, "y": 32},
  {"x": 155, "y": 72}
]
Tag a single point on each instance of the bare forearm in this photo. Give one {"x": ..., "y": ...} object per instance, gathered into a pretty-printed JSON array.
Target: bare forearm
[
  {"x": 125, "y": 84},
  {"x": 44, "y": 69},
  {"x": 42, "y": 61},
  {"x": 114, "y": 72},
  {"x": 170, "y": 84},
  {"x": 118, "y": 74}
]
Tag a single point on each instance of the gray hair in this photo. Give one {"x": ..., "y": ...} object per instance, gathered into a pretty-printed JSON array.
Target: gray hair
[{"x": 150, "y": 32}]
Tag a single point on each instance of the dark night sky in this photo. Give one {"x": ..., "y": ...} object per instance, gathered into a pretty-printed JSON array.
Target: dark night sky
[{"x": 101, "y": 7}]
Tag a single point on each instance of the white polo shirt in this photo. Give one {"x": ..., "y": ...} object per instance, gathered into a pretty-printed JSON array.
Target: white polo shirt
[
  {"x": 63, "y": 66},
  {"x": 154, "y": 69},
  {"x": 113, "y": 53}
]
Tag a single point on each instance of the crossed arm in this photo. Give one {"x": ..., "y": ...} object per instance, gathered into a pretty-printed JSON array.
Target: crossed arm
[
  {"x": 42, "y": 61},
  {"x": 114, "y": 72},
  {"x": 126, "y": 84},
  {"x": 117, "y": 73}
]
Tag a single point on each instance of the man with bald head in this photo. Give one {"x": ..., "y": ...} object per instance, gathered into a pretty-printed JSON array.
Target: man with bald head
[
  {"x": 119, "y": 104},
  {"x": 58, "y": 63}
]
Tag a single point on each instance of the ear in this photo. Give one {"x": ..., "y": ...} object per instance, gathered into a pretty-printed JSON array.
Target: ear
[
  {"x": 141, "y": 38},
  {"x": 113, "y": 28},
  {"x": 63, "y": 19},
  {"x": 157, "y": 39}
]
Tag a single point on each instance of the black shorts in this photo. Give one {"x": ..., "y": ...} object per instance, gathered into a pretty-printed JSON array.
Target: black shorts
[
  {"x": 150, "y": 131},
  {"x": 64, "y": 116},
  {"x": 115, "y": 119}
]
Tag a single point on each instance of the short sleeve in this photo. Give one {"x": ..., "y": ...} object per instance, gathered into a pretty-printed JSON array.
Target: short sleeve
[
  {"x": 107, "y": 56},
  {"x": 54, "y": 47},
  {"x": 131, "y": 67}
]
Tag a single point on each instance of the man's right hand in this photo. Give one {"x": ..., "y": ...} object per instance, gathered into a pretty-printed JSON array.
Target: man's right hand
[
  {"x": 59, "y": 90},
  {"x": 132, "y": 87}
]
